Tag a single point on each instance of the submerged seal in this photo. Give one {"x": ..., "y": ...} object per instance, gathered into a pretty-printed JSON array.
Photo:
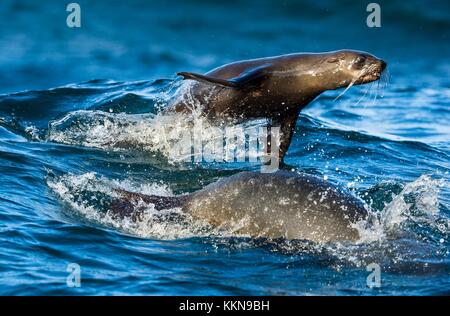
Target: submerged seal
[
  {"x": 277, "y": 205},
  {"x": 276, "y": 88}
]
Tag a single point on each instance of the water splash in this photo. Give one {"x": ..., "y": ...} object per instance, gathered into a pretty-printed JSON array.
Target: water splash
[
  {"x": 417, "y": 203},
  {"x": 169, "y": 134}
]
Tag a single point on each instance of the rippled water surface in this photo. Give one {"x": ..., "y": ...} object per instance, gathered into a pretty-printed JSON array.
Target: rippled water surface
[{"x": 79, "y": 117}]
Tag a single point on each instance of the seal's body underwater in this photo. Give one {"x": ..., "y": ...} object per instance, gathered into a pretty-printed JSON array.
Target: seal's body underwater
[
  {"x": 276, "y": 205},
  {"x": 276, "y": 88}
]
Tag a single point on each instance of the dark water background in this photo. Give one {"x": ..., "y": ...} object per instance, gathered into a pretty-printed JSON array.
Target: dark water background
[{"x": 387, "y": 142}]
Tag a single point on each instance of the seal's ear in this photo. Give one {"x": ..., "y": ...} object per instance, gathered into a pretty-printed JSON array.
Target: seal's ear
[{"x": 250, "y": 78}]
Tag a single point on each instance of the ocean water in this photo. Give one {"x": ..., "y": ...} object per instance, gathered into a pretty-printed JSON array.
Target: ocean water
[{"x": 79, "y": 117}]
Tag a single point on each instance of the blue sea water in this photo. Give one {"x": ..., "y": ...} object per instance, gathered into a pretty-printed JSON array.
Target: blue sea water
[{"x": 69, "y": 96}]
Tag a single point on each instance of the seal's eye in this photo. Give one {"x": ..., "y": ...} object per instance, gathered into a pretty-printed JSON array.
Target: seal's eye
[
  {"x": 333, "y": 60},
  {"x": 359, "y": 62}
]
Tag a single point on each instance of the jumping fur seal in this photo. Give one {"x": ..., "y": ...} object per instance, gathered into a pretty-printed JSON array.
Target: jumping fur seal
[
  {"x": 283, "y": 204},
  {"x": 276, "y": 88}
]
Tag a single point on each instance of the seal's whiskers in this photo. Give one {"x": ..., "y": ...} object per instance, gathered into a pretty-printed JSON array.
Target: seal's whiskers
[
  {"x": 369, "y": 89},
  {"x": 361, "y": 73}
]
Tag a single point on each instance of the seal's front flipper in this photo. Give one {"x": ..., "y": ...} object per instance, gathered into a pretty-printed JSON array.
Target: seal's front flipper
[
  {"x": 251, "y": 78},
  {"x": 287, "y": 125},
  {"x": 128, "y": 206}
]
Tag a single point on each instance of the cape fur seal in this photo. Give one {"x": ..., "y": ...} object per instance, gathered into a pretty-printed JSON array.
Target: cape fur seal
[
  {"x": 276, "y": 88},
  {"x": 277, "y": 205}
]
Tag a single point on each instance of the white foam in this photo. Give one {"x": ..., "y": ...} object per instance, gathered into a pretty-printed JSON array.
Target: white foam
[
  {"x": 169, "y": 134},
  {"x": 418, "y": 201}
]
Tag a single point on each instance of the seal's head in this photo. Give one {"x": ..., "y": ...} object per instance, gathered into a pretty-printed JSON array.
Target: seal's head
[
  {"x": 353, "y": 67},
  {"x": 338, "y": 69}
]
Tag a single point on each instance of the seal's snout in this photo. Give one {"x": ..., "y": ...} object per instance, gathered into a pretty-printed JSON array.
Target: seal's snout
[
  {"x": 371, "y": 69},
  {"x": 377, "y": 65},
  {"x": 378, "y": 70}
]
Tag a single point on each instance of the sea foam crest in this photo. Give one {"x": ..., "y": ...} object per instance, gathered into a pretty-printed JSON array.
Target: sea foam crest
[{"x": 417, "y": 202}]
